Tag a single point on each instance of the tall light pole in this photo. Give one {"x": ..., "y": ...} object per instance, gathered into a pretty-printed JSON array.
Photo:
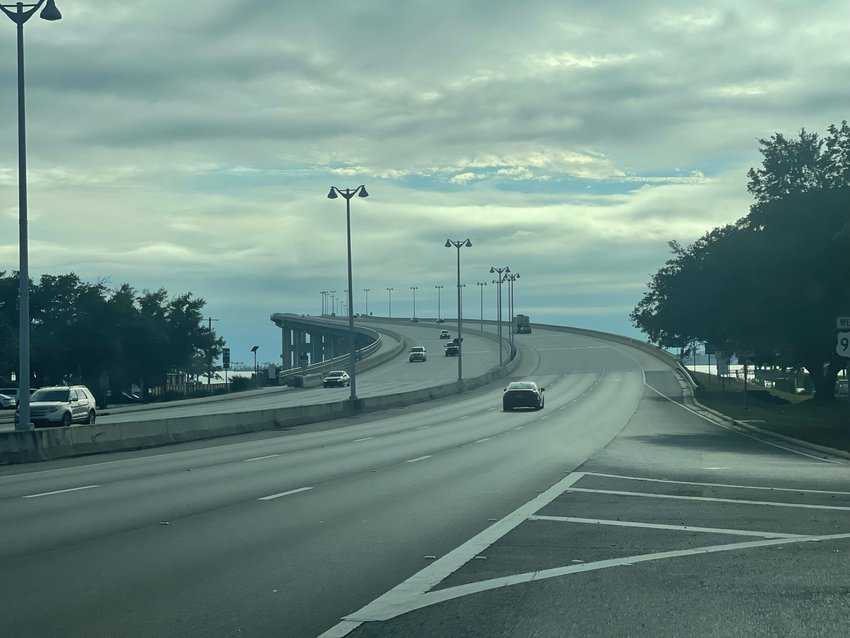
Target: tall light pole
[
  {"x": 366, "y": 292},
  {"x": 324, "y": 301},
  {"x": 414, "y": 289},
  {"x": 390, "y": 302},
  {"x": 256, "y": 371},
  {"x": 345, "y": 293},
  {"x": 458, "y": 245},
  {"x": 19, "y": 13},
  {"x": 439, "y": 288},
  {"x": 481, "y": 285},
  {"x": 511, "y": 279},
  {"x": 348, "y": 193},
  {"x": 501, "y": 276},
  {"x": 332, "y": 293}
]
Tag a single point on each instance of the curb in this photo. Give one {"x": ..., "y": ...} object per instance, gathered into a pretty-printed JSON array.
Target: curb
[{"x": 806, "y": 445}]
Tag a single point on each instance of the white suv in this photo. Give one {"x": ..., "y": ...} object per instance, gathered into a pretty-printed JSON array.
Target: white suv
[{"x": 62, "y": 405}]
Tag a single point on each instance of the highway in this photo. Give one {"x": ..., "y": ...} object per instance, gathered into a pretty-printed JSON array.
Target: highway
[
  {"x": 442, "y": 519},
  {"x": 396, "y": 375}
]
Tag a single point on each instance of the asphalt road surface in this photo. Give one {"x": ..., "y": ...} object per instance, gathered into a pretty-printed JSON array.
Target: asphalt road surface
[
  {"x": 397, "y": 375},
  {"x": 614, "y": 511}
]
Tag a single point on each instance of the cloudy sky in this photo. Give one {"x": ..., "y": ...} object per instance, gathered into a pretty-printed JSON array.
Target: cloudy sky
[{"x": 191, "y": 145}]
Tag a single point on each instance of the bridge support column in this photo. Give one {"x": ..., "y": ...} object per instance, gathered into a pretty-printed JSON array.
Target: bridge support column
[
  {"x": 286, "y": 347},
  {"x": 315, "y": 347}
]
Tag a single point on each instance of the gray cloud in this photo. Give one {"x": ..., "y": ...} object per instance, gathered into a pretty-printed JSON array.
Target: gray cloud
[{"x": 571, "y": 139}]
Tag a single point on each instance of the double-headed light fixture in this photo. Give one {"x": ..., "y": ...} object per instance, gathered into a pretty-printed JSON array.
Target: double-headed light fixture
[
  {"x": 19, "y": 13},
  {"x": 348, "y": 193},
  {"x": 450, "y": 243}
]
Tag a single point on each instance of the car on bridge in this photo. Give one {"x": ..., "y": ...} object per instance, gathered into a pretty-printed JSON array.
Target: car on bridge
[
  {"x": 336, "y": 378},
  {"x": 444, "y": 334},
  {"x": 62, "y": 405},
  {"x": 522, "y": 394},
  {"x": 8, "y": 398},
  {"x": 417, "y": 353},
  {"x": 453, "y": 348}
]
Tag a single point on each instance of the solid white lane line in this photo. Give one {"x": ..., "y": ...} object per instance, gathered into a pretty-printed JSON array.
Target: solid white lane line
[
  {"x": 261, "y": 458},
  {"x": 486, "y": 438},
  {"x": 450, "y": 593},
  {"x": 677, "y": 528},
  {"x": 749, "y": 436},
  {"x": 711, "y": 499},
  {"x": 418, "y": 458},
  {"x": 400, "y": 596},
  {"x": 365, "y": 438},
  {"x": 271, "y": 497},
  {"x": 739, "y": 487},
  {"x": 70, "y": 489}
]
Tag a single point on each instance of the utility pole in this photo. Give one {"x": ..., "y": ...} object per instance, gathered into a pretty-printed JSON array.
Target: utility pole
[{"x": 439, "y": 315}]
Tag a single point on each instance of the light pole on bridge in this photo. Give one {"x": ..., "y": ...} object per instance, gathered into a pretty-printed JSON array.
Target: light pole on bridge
[
  {"x": 501, "y": 277},
  {"x": 390, "y": 302},
  {"x": 348, "y": 193},
  {"x": 458, "y": 245},
  {"x": 414, "y": 289},
  {"x": 481, "y": 285}
]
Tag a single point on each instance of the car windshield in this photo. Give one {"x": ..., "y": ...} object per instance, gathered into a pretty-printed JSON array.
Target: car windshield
[
  {"x": 418, "y": 349},
  {"x": 336, "y": 373},
  {"x": 522, "y": 385},
  {"x": 49, "y": 394}
]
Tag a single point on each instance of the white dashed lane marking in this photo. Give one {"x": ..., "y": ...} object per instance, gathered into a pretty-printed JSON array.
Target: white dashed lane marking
[
  {"x": 271, "y": 497},
  {"x": 418, "y": 458},
  {"x": 70, "y": 489}
]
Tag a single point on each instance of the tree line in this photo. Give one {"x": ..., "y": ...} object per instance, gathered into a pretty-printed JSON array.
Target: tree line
[
  {"x": 770, "y": 286},
  {"x": 105, "y": 338}
]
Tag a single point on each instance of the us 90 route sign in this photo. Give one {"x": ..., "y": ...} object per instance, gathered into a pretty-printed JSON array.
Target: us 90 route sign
[{"x": 842, "y": 344}]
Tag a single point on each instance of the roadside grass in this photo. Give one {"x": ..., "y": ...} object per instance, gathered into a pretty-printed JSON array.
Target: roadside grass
[{"x": 793, "y": 415}]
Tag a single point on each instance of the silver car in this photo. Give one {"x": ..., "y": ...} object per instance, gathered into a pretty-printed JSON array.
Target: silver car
[
  {"x": 62, "y": 405},
  {"x": 8, "y": 398}
]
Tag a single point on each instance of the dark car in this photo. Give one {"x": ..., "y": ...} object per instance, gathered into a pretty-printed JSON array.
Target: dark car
[
  {"x": 452, "y": 349},
  {"x": 336, "y": 378},
  {"x": 522, "y": 394}
]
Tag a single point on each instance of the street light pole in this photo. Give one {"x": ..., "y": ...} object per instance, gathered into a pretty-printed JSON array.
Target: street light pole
[
  {"x": 366, "y": 290},
  {"x": 501, "y": 276},
  {"x": 390, "y": 302},
  {"x": 332, "y": 293},
  {"x": 348, "y": 193},
  {"x": 511, "y": 279},
  {"x": 481, "y": 285},
  {"x": 439, "y": 288},
  {"x": 414, "y": 289},
  {"x": 19, "y": 16},
  {"x": 458, "y": 245}
]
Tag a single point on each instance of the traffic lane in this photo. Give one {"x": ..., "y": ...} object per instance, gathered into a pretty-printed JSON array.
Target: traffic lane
[
  {"x": 61, "y": 509},
  {"x": 214, "y": 572}
]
